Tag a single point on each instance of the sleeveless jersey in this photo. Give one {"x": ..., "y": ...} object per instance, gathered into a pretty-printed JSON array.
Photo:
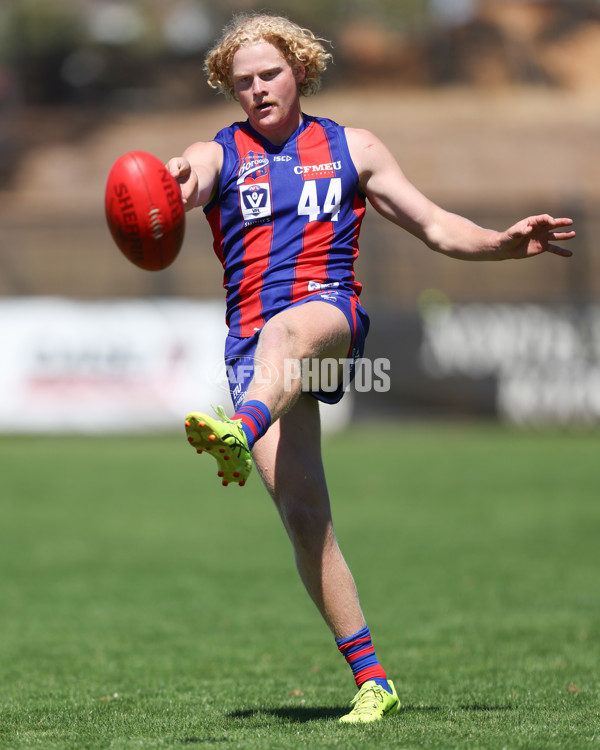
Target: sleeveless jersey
[{"x": 285, "y": 219}]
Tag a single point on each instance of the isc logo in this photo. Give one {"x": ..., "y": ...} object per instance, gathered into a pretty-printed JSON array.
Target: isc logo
[{"x": 283, "y": 157}]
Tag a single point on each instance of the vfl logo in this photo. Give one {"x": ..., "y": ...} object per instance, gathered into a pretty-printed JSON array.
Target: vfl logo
[{"x": 255, "y": 202}]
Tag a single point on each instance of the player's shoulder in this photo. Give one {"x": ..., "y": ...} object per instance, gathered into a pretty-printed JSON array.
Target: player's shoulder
[
  {"x": 227, "y": 134},
  {"x": 209, "y": 153},
  {"x": 342, "y": 131},
  {"x": 366, "y": 149},
  {"x": 361, "y": 136}
]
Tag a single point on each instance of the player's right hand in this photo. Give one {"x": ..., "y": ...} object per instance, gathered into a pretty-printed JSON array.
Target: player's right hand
[{"x": 186, "y": 177}]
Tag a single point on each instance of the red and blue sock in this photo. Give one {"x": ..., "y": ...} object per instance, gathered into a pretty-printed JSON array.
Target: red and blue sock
[
  {"x": 360, "y": 655},
  {"x": 256, "y": 420}
]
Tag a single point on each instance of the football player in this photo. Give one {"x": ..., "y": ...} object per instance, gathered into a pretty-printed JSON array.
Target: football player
[{"x": 285, "y": 194}]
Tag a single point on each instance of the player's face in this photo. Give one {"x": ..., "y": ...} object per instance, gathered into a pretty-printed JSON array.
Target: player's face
[{"x": 267, "y": 89}]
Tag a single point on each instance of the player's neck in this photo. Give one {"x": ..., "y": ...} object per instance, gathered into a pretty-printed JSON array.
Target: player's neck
[{"x": 278, "y": 135}]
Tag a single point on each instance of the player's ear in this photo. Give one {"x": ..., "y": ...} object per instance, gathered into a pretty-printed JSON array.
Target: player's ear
[{"x": 300, "y": 73}]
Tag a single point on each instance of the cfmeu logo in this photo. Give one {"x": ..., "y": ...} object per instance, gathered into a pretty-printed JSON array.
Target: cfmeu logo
[{"x": 312, "y": 171}]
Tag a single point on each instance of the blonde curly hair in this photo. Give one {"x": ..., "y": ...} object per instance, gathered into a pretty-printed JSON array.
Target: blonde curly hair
[{"x": 298, "y": 46}]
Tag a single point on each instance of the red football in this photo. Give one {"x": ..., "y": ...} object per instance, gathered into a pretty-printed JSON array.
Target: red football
[{"x": 144, "y": 210}]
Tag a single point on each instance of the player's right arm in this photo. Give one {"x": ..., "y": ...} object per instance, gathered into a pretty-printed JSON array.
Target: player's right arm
[{"x": 197, "y": 171}]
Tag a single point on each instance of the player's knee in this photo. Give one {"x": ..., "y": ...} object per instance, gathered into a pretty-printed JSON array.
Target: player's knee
[
  {"x": 274, "y": 335},
  {"x": 305, "y": 524}
]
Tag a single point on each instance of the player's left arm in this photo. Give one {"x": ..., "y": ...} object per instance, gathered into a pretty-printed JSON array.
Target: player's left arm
[{"x": 398, "y": 200}]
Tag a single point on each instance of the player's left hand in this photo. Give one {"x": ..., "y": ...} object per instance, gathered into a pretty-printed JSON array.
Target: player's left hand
[{"x": 535, "y": 235}]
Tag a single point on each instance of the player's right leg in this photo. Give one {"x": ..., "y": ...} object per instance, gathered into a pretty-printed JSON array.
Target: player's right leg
[{"x": 311, "y": 331}]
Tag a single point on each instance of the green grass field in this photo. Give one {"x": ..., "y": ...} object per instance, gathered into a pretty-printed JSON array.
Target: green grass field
[{"x": 143, "y": 605}]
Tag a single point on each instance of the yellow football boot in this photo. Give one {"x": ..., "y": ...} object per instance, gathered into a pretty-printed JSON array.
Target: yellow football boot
[
  {"x": 224, "y": 439},
  {"x": 372, "y": 703}
]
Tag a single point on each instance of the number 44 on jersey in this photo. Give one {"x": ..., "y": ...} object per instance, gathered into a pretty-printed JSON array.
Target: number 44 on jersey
[{"x": 309, "y": 204}]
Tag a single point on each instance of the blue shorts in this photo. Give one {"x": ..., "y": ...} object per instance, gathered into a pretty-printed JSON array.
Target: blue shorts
[{"x": 240, "y": 352}]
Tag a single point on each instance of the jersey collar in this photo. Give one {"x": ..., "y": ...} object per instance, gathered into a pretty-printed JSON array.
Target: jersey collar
[{"x": 273, "y": 147}]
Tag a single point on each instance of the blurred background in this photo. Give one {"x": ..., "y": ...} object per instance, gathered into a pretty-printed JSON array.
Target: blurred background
[{"x": 492, "y": 108}]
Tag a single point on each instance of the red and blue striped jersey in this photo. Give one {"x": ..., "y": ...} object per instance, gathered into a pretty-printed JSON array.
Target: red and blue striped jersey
[{"x": 285, "y": 219}]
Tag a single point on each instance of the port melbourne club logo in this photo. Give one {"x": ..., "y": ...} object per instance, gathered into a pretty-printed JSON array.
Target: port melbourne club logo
[{"x": 255, "y": 195}]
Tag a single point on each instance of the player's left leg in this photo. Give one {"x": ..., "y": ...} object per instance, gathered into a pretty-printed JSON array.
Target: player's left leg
[{"x": 288, "y": 459}]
